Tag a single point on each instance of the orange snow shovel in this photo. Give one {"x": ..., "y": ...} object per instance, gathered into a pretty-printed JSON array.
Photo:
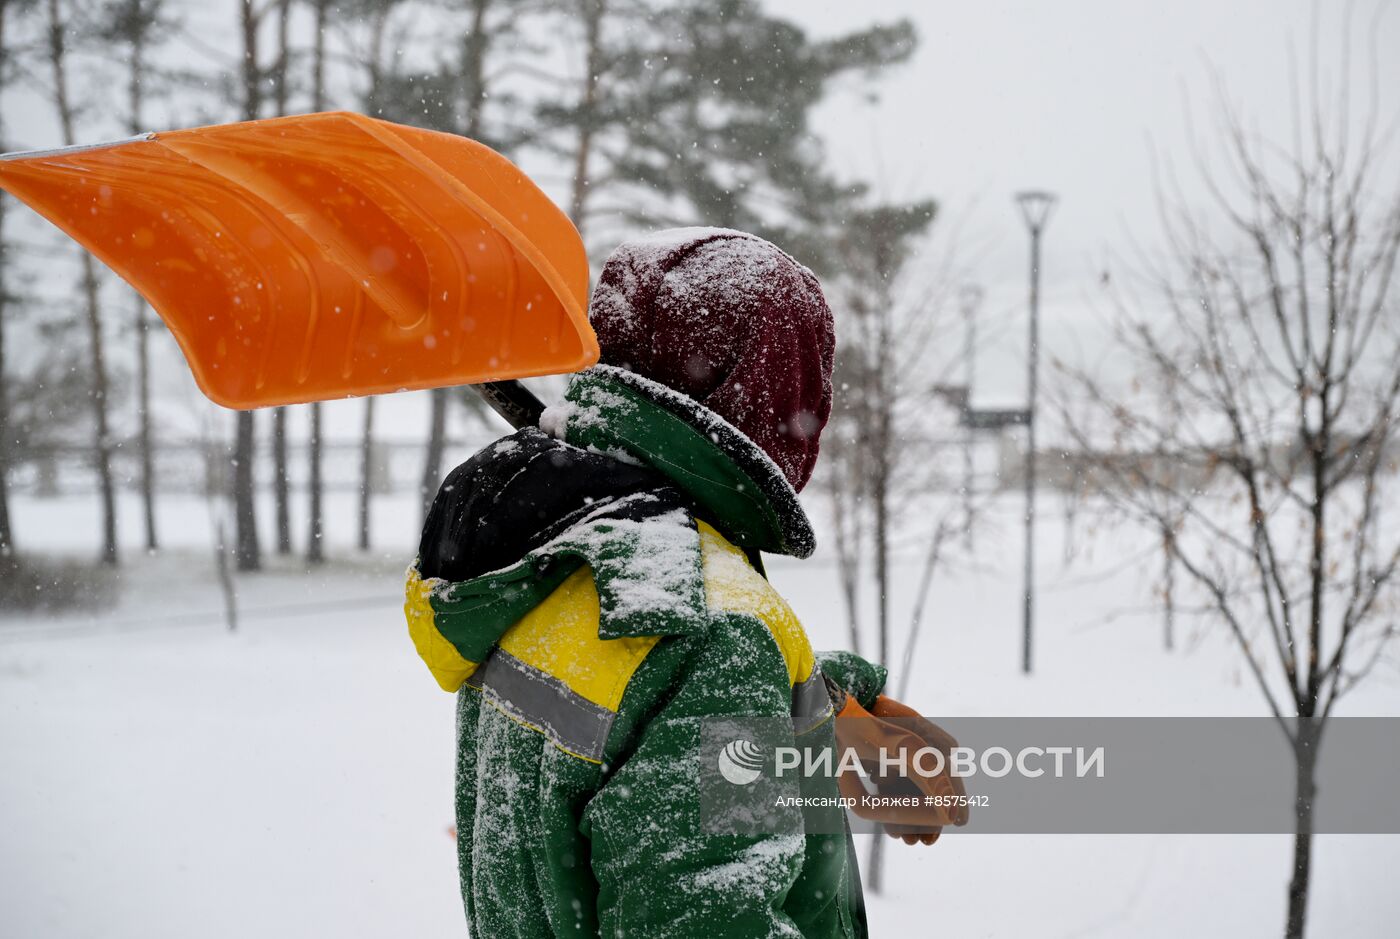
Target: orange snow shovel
[{"x": 313, "y": 257}]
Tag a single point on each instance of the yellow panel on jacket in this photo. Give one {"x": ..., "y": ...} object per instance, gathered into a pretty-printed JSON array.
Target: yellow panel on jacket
[
  {"x": 560, "y": 636},
  {"x": 733, "y": 586}
]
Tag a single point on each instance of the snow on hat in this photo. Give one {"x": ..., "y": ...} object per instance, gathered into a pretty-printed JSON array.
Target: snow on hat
[{"x": 730, "y": 320}]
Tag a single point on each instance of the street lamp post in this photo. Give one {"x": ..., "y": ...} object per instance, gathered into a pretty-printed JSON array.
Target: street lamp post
[{"x": 1035, "y": 209}]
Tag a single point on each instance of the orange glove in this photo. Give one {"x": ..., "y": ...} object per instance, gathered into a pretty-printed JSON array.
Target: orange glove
[
  {"x": 959, "y": 812},
  {"x": 891, "y": 727}
]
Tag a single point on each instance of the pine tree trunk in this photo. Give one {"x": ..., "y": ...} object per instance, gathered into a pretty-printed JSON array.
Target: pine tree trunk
[
  {"x": 284, "y": 19},
  {"x": 474, "y": 48},
  {"x": 592, "y": 12},
  {"x": 248, "y": 20},
  {"x": 375, "y": 103},
  {"x": 143, "y": 430},
  {"x": 315, "y": 546},
  {"x": 7, "y": 535},
  {"x": 247, "y": 554},
  {"x": 102, "y": 445},
  {"x": 432, "y": 463},
  {"x": 318, "y": 58},
  {"x": 135, "y": 93},
  {"x": 1304, "y": 798},
  {"x": 315, "y": 542},
  {"x": 226, "y": 584},
  {"x": 280, "y": 487},
  {"x": 280, "y": 483},
  {"x": 366, "y": 471},
  {"x": 102, "y": 457}
]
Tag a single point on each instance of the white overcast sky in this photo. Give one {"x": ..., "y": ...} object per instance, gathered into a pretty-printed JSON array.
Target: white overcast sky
[
  {"x": 1072, "y": 96},
  {"x": 1068, "y": 95}
]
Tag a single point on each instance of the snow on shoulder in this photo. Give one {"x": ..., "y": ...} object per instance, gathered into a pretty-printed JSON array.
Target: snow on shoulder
[{"x": 644, "y": 565}]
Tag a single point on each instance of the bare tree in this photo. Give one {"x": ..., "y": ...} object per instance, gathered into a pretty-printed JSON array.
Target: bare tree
[
  {"x": 944, "y": 522},
  {"x": 58, "y": 28},
  {"x": 874, "y": 364},
  {"x": 1259, "y": 436},
  {"x": 891, "y": 424},
  {"x": 844, "y": 480}
]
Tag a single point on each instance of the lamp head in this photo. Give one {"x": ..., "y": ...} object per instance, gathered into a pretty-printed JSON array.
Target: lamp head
[{"x": 1036, "y": 206}]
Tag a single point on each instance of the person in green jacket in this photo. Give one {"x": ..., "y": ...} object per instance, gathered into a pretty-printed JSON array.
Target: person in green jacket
[{"x": 592, "y": 590}]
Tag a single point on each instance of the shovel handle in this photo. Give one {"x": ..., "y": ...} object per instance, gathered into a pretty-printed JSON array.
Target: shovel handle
[{"x": 513, "y": 401}]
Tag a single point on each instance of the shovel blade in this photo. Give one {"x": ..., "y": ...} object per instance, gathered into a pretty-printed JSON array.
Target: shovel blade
[{"x": 327, "y": 255}]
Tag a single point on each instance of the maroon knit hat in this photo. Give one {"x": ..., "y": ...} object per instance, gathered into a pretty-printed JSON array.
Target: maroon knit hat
[{"x": 730, "y": 320}]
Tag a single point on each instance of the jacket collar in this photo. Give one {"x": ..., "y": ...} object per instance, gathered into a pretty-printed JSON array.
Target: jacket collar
[{"x": 733, "y": 482}]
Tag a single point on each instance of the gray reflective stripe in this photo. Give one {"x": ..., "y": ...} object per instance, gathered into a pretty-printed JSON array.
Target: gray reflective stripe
[
  {"x": 570, "y": 721},
  {"x": 811, "y": 705}
]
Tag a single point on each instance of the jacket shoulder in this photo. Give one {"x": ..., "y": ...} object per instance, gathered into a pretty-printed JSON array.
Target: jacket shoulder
[
  {"x": 630, "y": 575},
  {"x": 732, "y": 586}
]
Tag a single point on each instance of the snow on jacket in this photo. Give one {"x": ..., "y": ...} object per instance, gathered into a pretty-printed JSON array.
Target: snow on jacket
[{"x": 592, "y": 596}]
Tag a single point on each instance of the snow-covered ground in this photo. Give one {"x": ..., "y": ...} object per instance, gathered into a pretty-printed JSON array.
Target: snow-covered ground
[{"x": 163, "y": 777}]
